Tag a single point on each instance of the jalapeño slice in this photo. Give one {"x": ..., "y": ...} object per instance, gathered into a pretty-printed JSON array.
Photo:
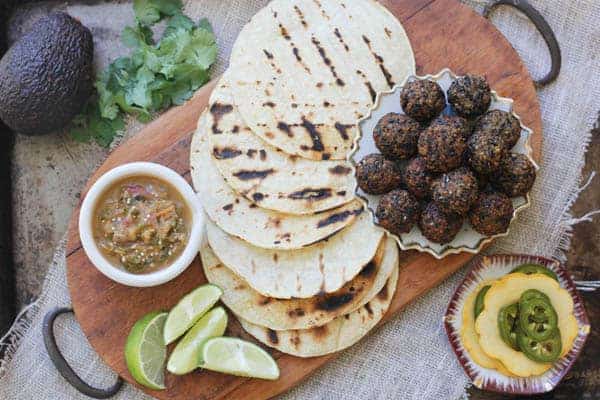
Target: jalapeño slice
[
  {"x": 529, "y": 269},
  {"x": 547, "y": 350},
  {"x": 508, "y": 324},
  {"x": 534, "y": 294},
  {"x": 478, "y": 308},
  {"x": 537, "y": 319}
]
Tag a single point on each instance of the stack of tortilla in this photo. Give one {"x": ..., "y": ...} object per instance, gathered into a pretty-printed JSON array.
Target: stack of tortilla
[{"x": 301, "y": 263}]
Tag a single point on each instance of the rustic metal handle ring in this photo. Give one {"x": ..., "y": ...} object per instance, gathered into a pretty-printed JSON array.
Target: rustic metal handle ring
[
  {"x": 63, "y": 367},
  {"x": 542, "y": 26}
]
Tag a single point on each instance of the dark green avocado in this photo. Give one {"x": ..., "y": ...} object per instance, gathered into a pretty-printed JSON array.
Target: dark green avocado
[{"x": 46, "y": 77}]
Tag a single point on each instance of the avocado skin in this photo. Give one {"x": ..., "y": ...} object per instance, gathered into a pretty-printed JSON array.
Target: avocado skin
[{"x": 46, "y": 77}]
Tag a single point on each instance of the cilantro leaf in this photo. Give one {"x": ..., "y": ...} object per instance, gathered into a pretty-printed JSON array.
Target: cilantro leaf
[
  {"x": 154, "y": 76},
  {"x": 138, "y": 36},
  {"x": 149, "y": 12}
]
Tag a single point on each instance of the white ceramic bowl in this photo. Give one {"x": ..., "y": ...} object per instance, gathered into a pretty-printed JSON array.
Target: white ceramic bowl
[
  {"x": 467, "y": 240},
  {"x": 87, "y": 214}
]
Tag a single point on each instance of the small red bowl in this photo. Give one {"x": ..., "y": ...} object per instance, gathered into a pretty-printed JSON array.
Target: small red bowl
[{"x": 494, "y": 267}]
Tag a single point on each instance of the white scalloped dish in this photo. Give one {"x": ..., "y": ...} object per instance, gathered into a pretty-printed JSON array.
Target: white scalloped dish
[{"x": 467, "y": 240}]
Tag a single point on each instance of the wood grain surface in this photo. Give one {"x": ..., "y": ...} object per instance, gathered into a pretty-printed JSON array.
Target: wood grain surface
[{"x": 443, "y": 33}]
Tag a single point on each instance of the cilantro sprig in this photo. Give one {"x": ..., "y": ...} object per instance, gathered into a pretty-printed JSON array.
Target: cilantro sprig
[{"x": 155, "y": 76}]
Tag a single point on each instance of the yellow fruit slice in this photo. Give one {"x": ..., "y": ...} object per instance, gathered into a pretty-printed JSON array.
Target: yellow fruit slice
[
  {"x": 507, "y": 290},
  {"x": 469, "y": 337}
]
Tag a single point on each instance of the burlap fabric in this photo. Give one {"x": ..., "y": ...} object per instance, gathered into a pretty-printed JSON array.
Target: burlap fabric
[{"x": 408, "y": 358}]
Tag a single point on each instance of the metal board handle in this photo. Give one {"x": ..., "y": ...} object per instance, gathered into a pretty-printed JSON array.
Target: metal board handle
[
  {"x": 63, "y": 366},
  {"x": 543, "y": 28}
]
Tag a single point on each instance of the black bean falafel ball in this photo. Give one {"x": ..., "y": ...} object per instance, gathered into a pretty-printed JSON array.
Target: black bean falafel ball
[
  {"x": 455, "y": 123},
  {"x": 485, "y": 151},
  {"x": 455, "y": 191},
  {"x": 470, "y": 96},
  {"x": 438, "y": 226},
  {"x": 417, "y": 178},
  {"x": 376, "y": 175},
  {"x": 491, "y": 213},
  {"x": 516, "y": 175},
  {"x": 502, "y": 124},
  {"x": 442, "y": 146},
  {"x": 398, "y": 211},
  {"x": 422, "y": 100},
  {"x": 396, "y": 136}
]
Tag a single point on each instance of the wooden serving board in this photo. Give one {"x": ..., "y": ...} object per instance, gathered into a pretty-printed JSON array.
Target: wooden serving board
[{"x": 443, "y": 34}]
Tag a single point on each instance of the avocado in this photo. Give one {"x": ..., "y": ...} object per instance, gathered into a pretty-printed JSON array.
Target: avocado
[{"x": 46, "y": 77}]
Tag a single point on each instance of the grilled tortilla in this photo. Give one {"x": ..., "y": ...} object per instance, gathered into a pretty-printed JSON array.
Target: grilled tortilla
[
  {"x": 280, "y": 314},
  {"x": 324, "y": 267},
  {"x": 264, "y": 228},
  {"x": 336, "y": 335},
  {"x": 266, "y": 175},
  {"x": 304, "y": 72}
]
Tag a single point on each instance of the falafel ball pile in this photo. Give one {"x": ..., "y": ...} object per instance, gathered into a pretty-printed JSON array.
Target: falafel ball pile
[{"x": 436, "y": 171}]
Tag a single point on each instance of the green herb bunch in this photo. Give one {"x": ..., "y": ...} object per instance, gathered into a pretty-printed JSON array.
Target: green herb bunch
[{"x": 154, "y": 76}]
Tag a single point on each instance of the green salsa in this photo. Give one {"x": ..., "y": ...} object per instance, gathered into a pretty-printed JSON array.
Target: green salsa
[{"x": 141, "y": 224}]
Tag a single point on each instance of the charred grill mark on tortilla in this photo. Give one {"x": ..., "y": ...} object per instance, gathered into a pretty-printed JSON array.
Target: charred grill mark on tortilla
[
  {"x": 380, "y": 62},
  {"x": 275, "y": 257},
  {"x": 301, "y": 16},
  {"x": 368, "y": 84},
  {"x": 341, "y": 193},
  {"x": 319, "y": 332},
  {"x": 228, "y": 208},
  {"x": 296, "y": 53},
  {"x": 311, "y": 194},
  {"x": 326, "y": 104},
  {"x": 337, "y": 217},
  {"x": 343, "y": 129},
  {"x": 332, "y": 302},
  {"x": 285, "y": 128},
  {"x": 327, "y": 61},
  {"x": 337, "y": 33},
  {"x": 315, "y": 135},
  {"x": 323, "y": 13},
  {"x": 368, "y": 269},
  {"x": 273, "y": 339},
  {"x": 387, "y": 32},
  {"x": 368, "y": 308},
  {"x": 268, "y": 54},
  {"x": 263, "y": 154},
  {"x": 251, "y": 153},
  {"x": 226, "y": 153},
  {"x": 258, "y": 197},
  {"x": 295, "y": 340},
  {"x": 269, "y": 104},
  {"x": 248, "y": 175},
  {"x": 283, "y": 31},
  {"x": 217, "y": 111},
  {"x": 340, "y": 170},
  {"x": 263, "y": 301},
  {"x": 235, "y": 129},
  {"x": 326, "y": 156},
  {"x": 296, "y": 312}
]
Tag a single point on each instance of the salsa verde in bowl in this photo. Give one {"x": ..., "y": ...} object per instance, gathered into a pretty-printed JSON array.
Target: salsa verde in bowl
[{"x": 141, "y": 224}]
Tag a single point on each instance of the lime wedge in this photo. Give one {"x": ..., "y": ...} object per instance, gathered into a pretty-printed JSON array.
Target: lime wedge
[
  {"x": 145, "y": 351},
  {"x": 189, "y": 310},
  {"x": 185, "y": 357},
  {"x": 238, "y": 357}
]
